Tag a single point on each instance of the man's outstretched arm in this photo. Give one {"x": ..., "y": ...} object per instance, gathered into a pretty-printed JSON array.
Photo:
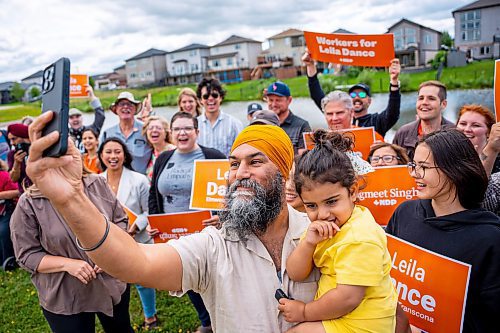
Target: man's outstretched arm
[{"x": 60, "y": 180}]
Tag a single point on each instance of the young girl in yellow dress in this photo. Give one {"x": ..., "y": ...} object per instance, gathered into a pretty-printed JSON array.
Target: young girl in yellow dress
[{"x": 355, "y": 292}]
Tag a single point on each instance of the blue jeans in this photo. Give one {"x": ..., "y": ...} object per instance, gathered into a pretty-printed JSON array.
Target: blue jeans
[
  {"x": 200, "y": 308},
  {"x": 148, "y": 300}
]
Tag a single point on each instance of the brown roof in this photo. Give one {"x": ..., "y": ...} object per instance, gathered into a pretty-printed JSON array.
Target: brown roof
[
  {"x": 233, "y": 39},
  {"x": 477, "y": 5},
  {"x": 288, "y": 33}
]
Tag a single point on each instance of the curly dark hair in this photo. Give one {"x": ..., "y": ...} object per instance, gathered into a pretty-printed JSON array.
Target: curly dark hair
[{"x": 210, "y": 84}]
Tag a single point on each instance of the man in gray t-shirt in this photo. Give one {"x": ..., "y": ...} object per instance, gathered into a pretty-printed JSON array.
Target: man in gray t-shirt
[{"x": 175, "y": 181}]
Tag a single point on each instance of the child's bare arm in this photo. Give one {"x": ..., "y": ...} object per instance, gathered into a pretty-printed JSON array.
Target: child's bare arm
[
  {"x": 334, "y": 304},
  {"x": 300, "y": 262}
]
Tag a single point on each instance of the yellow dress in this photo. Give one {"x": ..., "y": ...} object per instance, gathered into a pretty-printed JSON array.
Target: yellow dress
[{"x": 358, "y": 255}]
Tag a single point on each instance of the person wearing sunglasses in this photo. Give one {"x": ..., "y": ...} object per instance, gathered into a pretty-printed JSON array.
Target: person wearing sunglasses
[
  {"x": 386, "y": 154},
  {"x": 361, "y": 97},
  {"x": 447, "y": 219},
  {"x": 218, "y": 130}
]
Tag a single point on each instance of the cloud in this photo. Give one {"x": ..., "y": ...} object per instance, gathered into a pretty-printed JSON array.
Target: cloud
[{"x": 99, "y": 35}]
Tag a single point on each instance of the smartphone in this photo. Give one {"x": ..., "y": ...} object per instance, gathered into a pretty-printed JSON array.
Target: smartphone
[
  {"x": 55, "y": 97},
  {"x": 23, "y": 146}
]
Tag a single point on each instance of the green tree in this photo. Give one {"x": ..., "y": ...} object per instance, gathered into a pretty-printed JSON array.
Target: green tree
[
  {"x": 17, "y": 92},
  {"x": 34, "y": 92},
  {"x": 446, "y": 39}
]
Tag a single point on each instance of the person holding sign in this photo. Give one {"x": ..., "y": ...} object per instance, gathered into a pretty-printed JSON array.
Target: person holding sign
[
  {"x": 361, "y": 98},
  {"x": 172, "y": 181},
  {"x": 76, "y": 126},
  {"x": 237, "y": 269},
  {"x": 355, "y": 292},
  {"x": 132, "y": 190},
  {"x": 447, "y": 219},
  {"x": 431, "y": 103}
]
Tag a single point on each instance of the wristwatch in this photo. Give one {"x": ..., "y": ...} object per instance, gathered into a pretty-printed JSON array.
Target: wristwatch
[{"x": 395, "y": 85}]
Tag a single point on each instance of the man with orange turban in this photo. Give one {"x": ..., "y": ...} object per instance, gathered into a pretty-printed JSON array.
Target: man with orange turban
[{"x": 236, "y": 269}]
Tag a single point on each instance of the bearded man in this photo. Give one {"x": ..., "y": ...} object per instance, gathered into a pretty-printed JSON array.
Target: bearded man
[{"x": 236, "y": 269}]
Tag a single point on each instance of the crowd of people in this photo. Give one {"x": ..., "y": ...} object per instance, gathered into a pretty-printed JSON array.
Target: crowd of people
[{"x": 292, "y": 219}]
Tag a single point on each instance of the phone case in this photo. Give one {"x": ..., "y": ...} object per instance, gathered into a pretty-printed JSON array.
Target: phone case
[{"x": 55, "y": 97}]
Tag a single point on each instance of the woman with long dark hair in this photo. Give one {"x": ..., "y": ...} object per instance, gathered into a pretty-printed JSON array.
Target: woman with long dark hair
[{"x": 447, "y": 219}]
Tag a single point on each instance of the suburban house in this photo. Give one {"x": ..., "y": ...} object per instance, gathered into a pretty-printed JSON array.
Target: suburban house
[
  {"x": 109, "y": 81},
  {"x": 148, "y": 68},
  {"x": 5, "y": 88},
  {"x": 187, "y": 64},
  {"x": 34, "y": 78},
  {"x": 32, "y": 86},
  {"x": 232, "y": 59},
  {"x": 477, "y": 29},
  {"x": 415, "y": 45}
]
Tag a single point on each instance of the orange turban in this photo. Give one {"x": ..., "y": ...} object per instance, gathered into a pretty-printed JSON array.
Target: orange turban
[{"x": 270, "y": 140}]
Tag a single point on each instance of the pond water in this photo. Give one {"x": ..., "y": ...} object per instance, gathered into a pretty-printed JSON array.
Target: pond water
[{"x": 305, "y": 108}]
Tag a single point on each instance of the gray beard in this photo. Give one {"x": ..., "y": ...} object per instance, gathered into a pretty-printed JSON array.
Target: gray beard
[{"x": 253, "y": 213}]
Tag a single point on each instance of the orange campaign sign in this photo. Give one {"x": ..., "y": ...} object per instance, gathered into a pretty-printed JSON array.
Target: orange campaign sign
[
  {"x": 351, "y": 49},
  {"x": 363, "y": 139},
  {"x": 77, "y": 84},
  {"x": 386, "y": 188},
  {"x": 432, "y": 288},
  {"x": 496, "y": 89},
  {"x": 175, "y": 225},
  {"x": 131, "y": 215},
  {"x": 209, "y": 184}
]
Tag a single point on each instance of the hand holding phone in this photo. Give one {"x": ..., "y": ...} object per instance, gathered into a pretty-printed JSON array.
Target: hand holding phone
[{"x": 55, "y": 98}]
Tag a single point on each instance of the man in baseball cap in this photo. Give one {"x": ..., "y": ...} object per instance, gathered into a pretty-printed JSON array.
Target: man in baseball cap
[
  {"x": 129, "y": 130},
  {"x": 279, "y": 98},
  {"x": 265, "y": 117},
  {"x": 252, "y": 107}
]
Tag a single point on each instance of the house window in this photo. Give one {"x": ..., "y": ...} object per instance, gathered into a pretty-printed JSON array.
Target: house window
[
  {"x": 428, "y": 39},
  {"x": 216, "y": 63},
  {"x": 131, "y": 63},
  {"x": 470, "y": 25},
  {"x": 410, "y": 34},
  {"x": 171, "y": 56},
  {"x": 229, "y": 61},
  {"x": 149, "y": 73},
  {"x": 288, "y": 41},
  {"x": 192, "y": 53},
  {"x": 271, "y": 43},
  {"x": 133, "y": 75},
  {"x": 484, "y": 50},
  {"x": 398, "y": 43},
  {"x": 297, "y": 41},
  {"x": 237, "y": 47},
  {"x": 397, "y": 33}
]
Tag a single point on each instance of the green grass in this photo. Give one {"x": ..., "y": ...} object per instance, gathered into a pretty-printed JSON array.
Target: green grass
[
  {"x": 478, "y": 74},
  {"x": 20, "y": 311},
  {"x": 19, "y": 111}
]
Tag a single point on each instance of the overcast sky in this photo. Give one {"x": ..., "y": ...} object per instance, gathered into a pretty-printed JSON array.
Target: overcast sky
[{"x": 98, "y": 36}]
